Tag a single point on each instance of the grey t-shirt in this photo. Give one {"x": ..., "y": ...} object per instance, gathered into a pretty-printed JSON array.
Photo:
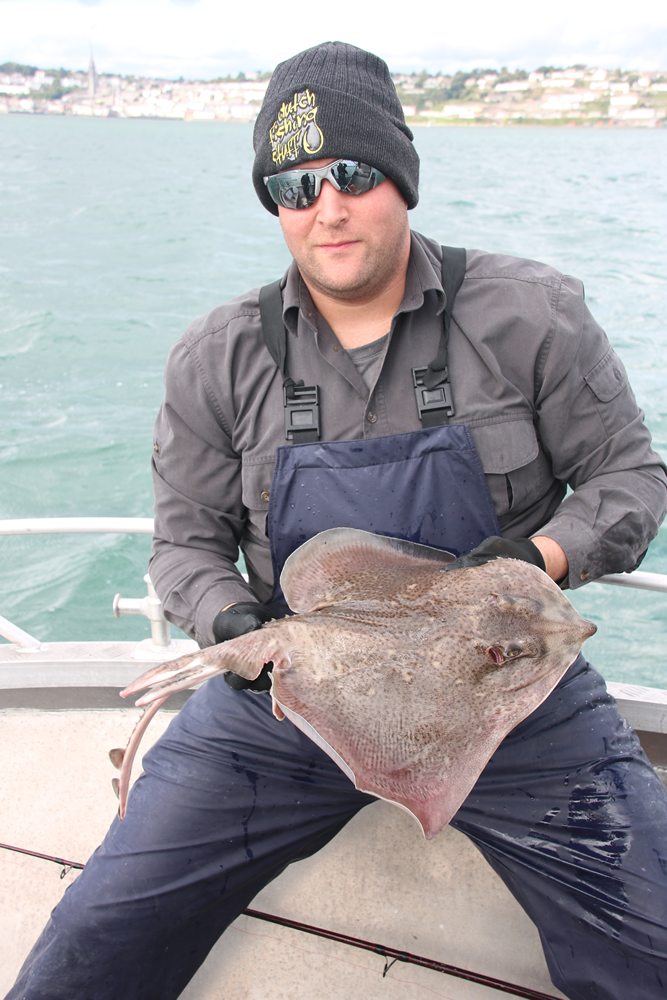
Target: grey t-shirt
[{"x": 368, "y": 359}]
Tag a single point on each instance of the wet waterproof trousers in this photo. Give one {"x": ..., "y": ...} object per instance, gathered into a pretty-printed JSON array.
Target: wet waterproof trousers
[{"x": 568, "y": 812}]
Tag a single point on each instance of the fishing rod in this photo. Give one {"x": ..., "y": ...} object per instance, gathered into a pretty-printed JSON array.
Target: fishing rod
[{"x": 385, "y": 951}]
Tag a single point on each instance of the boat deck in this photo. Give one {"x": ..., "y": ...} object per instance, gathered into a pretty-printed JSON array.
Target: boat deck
[{"x": 378, "y": 880}]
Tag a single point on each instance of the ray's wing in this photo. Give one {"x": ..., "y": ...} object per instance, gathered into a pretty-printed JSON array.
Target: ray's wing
[{"x": 345, "y": 564}]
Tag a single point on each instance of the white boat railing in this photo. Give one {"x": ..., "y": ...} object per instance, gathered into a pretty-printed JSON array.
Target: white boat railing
[
  {"x": 76, "y": 525},
  {"x": 151, "y": 606}
]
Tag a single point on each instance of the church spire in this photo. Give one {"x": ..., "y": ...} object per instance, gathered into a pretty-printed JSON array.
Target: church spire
[{"x": 92, "y": 76}]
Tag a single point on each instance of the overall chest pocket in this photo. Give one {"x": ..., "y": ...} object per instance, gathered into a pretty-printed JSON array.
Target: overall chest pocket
[
  {"x": 256, "y": 480},
  {"x": 517, "y": 471}
]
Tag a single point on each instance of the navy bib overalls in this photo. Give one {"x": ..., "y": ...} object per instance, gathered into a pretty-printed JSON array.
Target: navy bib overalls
[{"x": 427, "y": 486}]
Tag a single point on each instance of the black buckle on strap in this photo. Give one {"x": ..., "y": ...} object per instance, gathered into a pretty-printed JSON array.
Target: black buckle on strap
[
  {"x": 435, "y": 405},
  {"x": 302, "y": 411}
]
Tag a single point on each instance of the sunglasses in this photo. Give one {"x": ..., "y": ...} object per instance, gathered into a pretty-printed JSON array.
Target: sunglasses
[{"x": 300, "y": 188}]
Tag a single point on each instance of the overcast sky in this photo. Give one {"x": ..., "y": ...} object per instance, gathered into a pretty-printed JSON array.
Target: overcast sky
[{"x": 208, "y": 38}]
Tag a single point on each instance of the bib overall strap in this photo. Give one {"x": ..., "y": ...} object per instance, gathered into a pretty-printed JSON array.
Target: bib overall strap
[
  {"x": 301, "y": 402},
  {"x": 433, "y": 389}
]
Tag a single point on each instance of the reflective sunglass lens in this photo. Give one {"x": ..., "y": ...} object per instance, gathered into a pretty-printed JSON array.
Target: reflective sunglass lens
[
  {"x": 342, "y": 172},
  {"x": 293, "y": 189},
  {"x": 353, "y": 177},
  {"x": 364, "y": 179}
]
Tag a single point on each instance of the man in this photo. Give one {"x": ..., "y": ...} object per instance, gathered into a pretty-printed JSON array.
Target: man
[{"x": 373, "y": 418}]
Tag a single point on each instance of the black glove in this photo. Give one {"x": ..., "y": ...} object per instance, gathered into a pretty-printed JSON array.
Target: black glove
[
  {"x": 235, "y": 621},
  {"x": 495, "y": 547}
]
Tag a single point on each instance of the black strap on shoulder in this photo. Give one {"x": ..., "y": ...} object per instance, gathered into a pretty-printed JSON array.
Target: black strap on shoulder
[
  {"x": 273, "y": 328},
  {"x": 301, "y": 402},
  {"x": 433, "y": 390}
]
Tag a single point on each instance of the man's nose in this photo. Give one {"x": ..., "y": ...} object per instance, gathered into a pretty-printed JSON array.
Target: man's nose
[{"x": 331, "y": 204}]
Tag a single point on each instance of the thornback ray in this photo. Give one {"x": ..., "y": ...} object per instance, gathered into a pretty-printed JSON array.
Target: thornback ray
[{"x": 407, "y": 676}]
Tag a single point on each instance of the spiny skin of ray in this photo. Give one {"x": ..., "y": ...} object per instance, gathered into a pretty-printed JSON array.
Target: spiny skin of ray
[{"x": 413, "y": 677}]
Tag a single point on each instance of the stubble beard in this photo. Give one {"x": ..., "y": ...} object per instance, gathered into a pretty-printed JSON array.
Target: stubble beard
[{"x": 377, "y": 270}]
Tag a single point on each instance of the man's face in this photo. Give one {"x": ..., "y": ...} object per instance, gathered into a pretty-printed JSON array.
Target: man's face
[{"x": 349, "y": 247}]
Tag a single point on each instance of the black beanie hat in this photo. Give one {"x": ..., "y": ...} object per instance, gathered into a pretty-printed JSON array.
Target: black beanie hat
[{"x": 333, "y": 100}]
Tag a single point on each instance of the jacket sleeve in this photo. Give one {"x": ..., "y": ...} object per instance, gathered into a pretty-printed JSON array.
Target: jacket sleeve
[
  {"x": 594, "y": 432},
  {"x": 199, "y": 514}
]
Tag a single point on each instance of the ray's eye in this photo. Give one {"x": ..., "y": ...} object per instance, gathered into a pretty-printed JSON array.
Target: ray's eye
[{"x": 499, "y": 654}]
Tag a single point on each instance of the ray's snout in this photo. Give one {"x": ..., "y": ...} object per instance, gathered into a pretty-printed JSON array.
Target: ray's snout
[
  {"x": 588, "y": 629},
  {"x": 577, "y": 629},
  {"x": 569, "y": 630}
]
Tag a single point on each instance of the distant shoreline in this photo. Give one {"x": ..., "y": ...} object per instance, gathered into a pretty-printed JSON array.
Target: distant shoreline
[{"x": 577, "y": 96}]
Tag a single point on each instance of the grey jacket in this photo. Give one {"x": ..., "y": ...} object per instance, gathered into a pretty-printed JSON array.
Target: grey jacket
[{"x": 533, "y": 375}]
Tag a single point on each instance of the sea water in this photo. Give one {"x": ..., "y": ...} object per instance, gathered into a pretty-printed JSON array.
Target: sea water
[{"x": 115, "y": 234}]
